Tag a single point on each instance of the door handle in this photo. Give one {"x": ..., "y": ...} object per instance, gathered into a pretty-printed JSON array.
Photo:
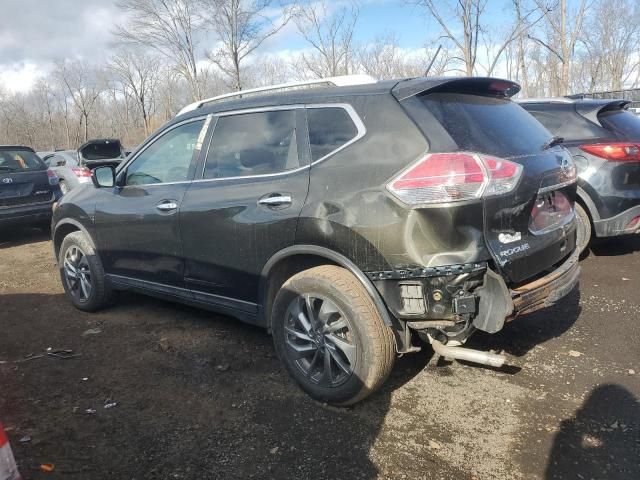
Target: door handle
[
  {"x": 276, "y": 200},
  {"x": 167, "y": 206}
]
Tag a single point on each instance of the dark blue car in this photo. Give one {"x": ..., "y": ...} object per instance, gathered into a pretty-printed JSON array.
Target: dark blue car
[{"x": 28, "y": 188}]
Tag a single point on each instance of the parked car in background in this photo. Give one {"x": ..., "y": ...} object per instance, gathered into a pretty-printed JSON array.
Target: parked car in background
[
  {"x": 351, "y": 220},
  {"x": 66, "y": 165},
  {"x": 101, "y": 151},
  {"x": 28, "y": 188},
  {"x": 604, "y": 139}
]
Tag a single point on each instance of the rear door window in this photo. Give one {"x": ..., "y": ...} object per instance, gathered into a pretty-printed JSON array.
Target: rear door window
[
  {"x": 625, "y": 124},
  {"x": 250, "y": 144},
  {"x": 330, "y": 128},
  {"x": 486, "y": 124},
  {"x": 19, "y": 160}
]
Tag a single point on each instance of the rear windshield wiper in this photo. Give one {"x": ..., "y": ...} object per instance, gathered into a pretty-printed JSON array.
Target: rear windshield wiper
[{"x": 552, "y": 142}]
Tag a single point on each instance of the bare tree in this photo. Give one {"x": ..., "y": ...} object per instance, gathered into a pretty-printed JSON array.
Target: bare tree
[
  {"x": 460, "y": 21},
  {"x": 44, "y": 93},
  {"x": 329, "y": 31},
  {"x": 170, "y": 27},
  {"x": 564, "y": 28},
  {"x": 241, "y": 26},
  {"x": 138, "y": 74},
  {"x": 613, "y": 41},
  {"x": 84, "y": 84}
]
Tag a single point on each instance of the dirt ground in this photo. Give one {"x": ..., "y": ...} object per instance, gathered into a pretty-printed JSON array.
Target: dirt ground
[{"x": 203, "y": 396}]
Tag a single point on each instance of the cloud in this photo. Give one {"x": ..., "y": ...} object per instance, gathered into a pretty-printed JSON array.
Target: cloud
[{"x": 36, "y": 30}]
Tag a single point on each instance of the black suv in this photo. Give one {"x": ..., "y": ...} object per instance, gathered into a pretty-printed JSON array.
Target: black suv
[
  {"x": 604, "y": 138},
  {"x": 354, "y": 222},
  {"x": 28, "y": 188}
]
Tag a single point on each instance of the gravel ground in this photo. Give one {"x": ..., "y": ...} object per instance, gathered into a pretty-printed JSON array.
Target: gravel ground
[{"x": 203, "y": 396}]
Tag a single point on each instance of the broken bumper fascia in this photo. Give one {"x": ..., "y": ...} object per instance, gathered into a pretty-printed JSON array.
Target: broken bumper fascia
[{"x": 548, "y": 290}]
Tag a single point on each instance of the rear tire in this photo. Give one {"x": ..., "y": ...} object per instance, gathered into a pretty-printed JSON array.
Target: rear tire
[
  {"x": 583, "y": 233},
  {"x": 330, "y": 336},
  {"x": 82, "y": 274}
]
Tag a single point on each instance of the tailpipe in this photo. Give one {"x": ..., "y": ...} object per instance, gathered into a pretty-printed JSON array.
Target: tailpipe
[{"x": 461, "y": 353}]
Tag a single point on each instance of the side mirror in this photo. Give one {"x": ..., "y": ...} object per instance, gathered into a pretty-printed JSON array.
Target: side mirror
[{"x": 104, "y": 177}]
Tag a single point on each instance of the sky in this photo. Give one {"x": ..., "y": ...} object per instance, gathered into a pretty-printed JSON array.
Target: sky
[{"x": 34, "y": 34}]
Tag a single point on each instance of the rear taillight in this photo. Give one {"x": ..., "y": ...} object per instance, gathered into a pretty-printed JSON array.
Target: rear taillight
[
  {"x": 550, "y": 211},
  {"x": 81, "y": 171},
  {"x": 615, "y": 152},
  {"x": 53, "y": 178},
  {"x": 635, "y": 222},
  {"x": 454, "y": 177}
]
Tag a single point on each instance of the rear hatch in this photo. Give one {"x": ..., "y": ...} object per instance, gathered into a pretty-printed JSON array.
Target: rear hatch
[
  {"x": 99, "y": 152},
  {"x": 528, "y": 223},
  {"x": 24, "y": 178},
  {"x": 625, "y": 150}
]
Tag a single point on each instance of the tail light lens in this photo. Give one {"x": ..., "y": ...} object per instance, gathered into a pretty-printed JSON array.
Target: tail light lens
[
  {"x": 81, "y": 171},
  {"x": 53, "y": 178},
  {"x": 615, "y": 152},
  {"x": 635, "y": 222},
  {"x": 454, "y": 177}
]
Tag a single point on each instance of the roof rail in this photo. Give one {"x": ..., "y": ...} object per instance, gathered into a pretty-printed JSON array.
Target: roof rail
[
  {"x": 546, "y": 100},
  {"x": 341, "y": 81}
]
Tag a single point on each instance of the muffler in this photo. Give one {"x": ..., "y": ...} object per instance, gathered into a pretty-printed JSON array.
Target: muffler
[{"x": 468, "y": 354}]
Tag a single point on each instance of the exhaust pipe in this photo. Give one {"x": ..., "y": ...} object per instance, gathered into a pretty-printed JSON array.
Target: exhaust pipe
[{"x": 460, "y": 353}]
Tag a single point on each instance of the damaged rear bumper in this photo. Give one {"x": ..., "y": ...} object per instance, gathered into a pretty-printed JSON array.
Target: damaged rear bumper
[{"x": 547, "y": 290}]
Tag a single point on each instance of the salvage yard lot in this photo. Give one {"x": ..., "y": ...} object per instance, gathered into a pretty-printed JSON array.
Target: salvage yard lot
[{"x": 203, "y": 396}]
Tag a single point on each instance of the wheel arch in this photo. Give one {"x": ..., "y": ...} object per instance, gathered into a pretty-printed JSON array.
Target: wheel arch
[
  {"x": 587, "y": 203},
  {"x": 64, "y": 228},
  {"x": 291, "y": 260}
]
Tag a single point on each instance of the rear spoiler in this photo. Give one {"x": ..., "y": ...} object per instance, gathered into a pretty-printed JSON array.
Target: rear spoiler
[
  {"x": 479, "y": 85},
  {"x": 591, "y": 110}
]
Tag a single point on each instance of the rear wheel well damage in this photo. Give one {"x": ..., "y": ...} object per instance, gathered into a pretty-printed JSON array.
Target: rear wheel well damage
[{"x": 283, "y": 266}]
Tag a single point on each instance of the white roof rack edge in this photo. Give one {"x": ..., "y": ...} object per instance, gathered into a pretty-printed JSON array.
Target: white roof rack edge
[
  {"x": 545, "y": 100},
  {"x": 341, "y": 81}
]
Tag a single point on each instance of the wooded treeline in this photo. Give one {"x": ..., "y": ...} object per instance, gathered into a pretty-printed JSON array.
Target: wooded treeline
[{"x": 172, "y": 52}]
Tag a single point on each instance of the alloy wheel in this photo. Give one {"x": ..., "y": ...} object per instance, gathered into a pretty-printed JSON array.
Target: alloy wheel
[
  {"x": 320, "y": 340},
  {"x": 77, "y": 273}
]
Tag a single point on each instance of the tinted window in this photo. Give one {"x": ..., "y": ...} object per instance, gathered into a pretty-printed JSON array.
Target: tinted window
[
  {"x": 253, "y": 144},
  {"x": 622, "y": 122},
  {"x": 19, "y": 160},
  {"x": 565, "y": 122},
  {"x": 168, "y": 159},
  {"x": 485, "y": 124},
  {"x": 329, "y": 129}
]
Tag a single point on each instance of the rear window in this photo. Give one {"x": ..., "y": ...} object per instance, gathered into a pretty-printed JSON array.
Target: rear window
[
  {"x": 19, "y": 160},
  {"x": 491, "y": 125},
  {"x": 624, "y": 123},
  {"x": 565, "y": 122},
  {"x": 329, "y": 129}
]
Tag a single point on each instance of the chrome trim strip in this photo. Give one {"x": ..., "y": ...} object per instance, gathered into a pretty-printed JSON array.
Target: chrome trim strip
[{"x": 362, "y": 131}]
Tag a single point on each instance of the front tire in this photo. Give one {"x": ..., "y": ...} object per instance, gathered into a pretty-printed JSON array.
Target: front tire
[
  {"x": 330, "y": 336},
  {"x": 82, "y": 274},
  {"x": 583, "y": 233}
]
